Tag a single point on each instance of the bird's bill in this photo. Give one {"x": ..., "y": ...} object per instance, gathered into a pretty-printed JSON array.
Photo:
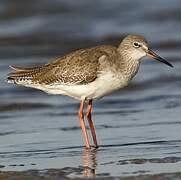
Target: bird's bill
[{"x": 153, "y": 55}]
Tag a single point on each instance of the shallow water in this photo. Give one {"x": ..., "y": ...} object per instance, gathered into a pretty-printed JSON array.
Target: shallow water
[{"x": 138, "y": 128}]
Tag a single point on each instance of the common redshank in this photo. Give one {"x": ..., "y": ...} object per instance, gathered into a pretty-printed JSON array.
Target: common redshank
[{"x": 88, "y": 74}]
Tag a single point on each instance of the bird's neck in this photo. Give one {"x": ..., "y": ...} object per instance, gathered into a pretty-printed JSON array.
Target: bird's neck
[{"x": 129, "y": 66}]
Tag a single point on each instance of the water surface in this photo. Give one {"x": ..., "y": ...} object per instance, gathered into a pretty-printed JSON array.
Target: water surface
[{"x": 138, "y": 128}]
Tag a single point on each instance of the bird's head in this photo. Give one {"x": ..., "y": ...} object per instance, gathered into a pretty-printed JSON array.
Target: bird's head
[{"x": 136, "y": 47}]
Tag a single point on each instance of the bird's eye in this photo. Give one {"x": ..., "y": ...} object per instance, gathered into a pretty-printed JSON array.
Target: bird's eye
[{"x": 136, "y": 45}]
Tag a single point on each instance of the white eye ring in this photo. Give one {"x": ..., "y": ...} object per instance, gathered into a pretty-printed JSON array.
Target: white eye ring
[{"x": 136, "y": 45}]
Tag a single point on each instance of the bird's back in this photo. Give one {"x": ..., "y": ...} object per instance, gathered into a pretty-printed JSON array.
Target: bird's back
[{"x": 78, "y": 67}]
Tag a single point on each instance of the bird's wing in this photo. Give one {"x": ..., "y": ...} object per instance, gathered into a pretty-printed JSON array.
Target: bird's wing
[{"x": 79, "y": 67}]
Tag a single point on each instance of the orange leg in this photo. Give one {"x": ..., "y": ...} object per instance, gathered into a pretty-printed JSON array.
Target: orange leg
[
  {"x": 82, "y": 124},
  {"x": 89, "y": 117}
]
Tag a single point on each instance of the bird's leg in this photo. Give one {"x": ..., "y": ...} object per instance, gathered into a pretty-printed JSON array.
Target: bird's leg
[
  {"x": 82, "y": 124},
  {"x": 89, "y": 117}
]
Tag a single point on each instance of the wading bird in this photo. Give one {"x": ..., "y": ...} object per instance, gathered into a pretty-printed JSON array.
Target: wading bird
[{"x": 88, "y": 74}]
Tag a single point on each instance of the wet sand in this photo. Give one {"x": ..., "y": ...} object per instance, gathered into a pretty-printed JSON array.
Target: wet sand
[{"x": 57, "y": 174}]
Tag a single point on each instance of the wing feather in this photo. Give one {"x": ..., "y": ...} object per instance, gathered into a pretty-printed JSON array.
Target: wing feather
[{"x": 79, "y": 67}]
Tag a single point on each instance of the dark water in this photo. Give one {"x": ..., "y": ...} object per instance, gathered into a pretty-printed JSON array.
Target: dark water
[{"x": 139, "y": 128}]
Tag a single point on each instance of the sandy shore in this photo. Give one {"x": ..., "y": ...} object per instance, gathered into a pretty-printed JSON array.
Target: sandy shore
[{"x": 57, "y": 174}]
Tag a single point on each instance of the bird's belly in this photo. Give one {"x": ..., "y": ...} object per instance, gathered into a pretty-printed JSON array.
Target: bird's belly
[{"x": 102, "y": 86}]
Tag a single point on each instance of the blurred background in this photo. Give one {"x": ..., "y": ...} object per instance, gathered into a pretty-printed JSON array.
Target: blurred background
[{"x": 142, "y": 121}]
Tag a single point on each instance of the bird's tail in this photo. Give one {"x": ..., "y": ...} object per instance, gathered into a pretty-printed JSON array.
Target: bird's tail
[{"x": 21, "y": 75}]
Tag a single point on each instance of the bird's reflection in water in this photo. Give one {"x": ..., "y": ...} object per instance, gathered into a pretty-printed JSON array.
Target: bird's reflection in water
[{"x": 89, "y": 162}]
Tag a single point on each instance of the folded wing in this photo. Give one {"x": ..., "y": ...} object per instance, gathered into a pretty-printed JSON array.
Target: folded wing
[{"x": 79, "y": 67}]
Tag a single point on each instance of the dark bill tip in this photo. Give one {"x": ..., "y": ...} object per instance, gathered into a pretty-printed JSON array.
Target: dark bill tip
[{"x": 153, "y": 55}]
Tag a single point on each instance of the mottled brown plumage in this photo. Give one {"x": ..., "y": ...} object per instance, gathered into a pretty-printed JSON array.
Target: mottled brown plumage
[{"x": 79, "y": 67}]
